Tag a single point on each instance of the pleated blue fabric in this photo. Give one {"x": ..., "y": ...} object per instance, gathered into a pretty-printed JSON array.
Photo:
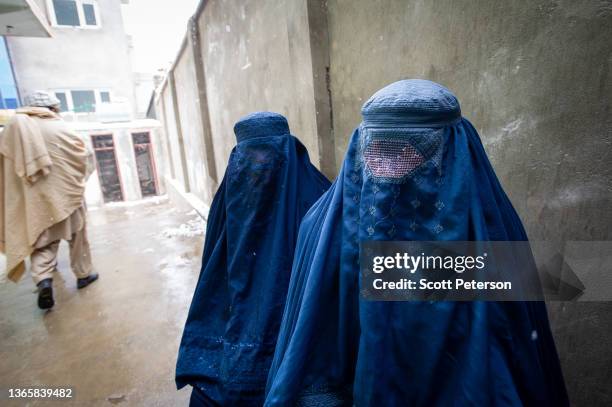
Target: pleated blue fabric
[
  {"x": 415, "y": 170},
  {"x": 234, "y": 318}
]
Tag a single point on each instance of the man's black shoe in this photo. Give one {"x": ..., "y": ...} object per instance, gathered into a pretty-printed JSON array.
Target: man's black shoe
[
  {"x": 84, "y": 282},
  {"x": 45, "y": 294}
]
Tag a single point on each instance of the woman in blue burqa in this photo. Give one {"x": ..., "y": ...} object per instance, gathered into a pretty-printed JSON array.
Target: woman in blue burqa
[
  {"x": 415, "y": 170},
  {"x": 231, "y": 330}
]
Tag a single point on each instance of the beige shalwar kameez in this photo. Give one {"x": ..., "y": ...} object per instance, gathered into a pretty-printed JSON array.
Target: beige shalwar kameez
[
  {"x": 43, "y": 170},
  {"x": 43, "y": 259}
]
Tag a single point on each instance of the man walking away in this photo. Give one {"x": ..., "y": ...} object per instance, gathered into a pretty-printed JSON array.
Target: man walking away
[{"x": 43, "y": 170}]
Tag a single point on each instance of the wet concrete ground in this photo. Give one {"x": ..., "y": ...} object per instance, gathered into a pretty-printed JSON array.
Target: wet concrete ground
[{"x": 115, "y": 342}]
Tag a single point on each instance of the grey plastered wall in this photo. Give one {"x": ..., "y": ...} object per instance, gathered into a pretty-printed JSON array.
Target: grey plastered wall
[
  {"x": 171, "y": 128},
  {"x": 257, "y": 57},
  {"x": 191, "y": 125},
  {"x": 535, "y": 79},
  {"x": 168, "y": 164},
  {"x": 162, "y": 157}
]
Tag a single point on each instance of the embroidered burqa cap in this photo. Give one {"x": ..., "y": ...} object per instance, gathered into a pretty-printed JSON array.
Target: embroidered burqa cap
[
  {"x": 230, "y": 333},
  {"x": 261, "y": 124},
  {"x": 415, "y": 170}
]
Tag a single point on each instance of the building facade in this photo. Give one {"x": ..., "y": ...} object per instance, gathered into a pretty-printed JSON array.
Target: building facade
[
  {"x": 86, "y": 64},
  {"x": 9, "y": 98}
]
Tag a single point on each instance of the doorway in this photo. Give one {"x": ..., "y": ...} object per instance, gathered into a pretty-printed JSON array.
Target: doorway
[
  {"x": 108, "y": 169},
  {"x": 145, "y": 164}
]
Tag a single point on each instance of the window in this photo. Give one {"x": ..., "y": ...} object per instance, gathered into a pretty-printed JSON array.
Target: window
[
  {"x": 66, "y": 12},
  {"x": 74, "y": 13},
  {"x": 89, "y": 13},
  {"x": 105, "y": 97},
  {"x": 141, "y": 138},
  {"x": 63, "y": 101},
  {"x": 83, "y": 101}
]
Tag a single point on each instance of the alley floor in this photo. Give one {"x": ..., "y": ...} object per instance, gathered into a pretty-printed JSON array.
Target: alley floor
[{"x": 114, "y": 342}]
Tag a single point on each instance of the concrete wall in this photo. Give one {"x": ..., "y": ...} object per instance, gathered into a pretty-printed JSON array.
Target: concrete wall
[
  {"x": 257, "y": 57},
  {"x": 229, "y": 52},
  {"x": 76, "y": 58},
  {"x": 191, "y": 127},
  {"x": 534, "y": 77},
  {"x": 172, "y": 127},
  {"x": 164, "y": 141}
]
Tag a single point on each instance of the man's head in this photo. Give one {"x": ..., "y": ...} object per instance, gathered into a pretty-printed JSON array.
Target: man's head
[{"x": 40, "y": 98}]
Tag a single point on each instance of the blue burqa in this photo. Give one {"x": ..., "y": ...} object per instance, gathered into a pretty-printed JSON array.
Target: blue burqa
[
  {"x": 235, "y": 314},
  {"x": 415, "y": 170}
]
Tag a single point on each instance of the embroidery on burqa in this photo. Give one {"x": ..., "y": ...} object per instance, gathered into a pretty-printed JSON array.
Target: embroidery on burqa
[
  {"x": 396, "y": 157},
  {"x": 256, "y": 166},
  {"x": 356, "y": 180},
  {"x": 255, "y": 169}
]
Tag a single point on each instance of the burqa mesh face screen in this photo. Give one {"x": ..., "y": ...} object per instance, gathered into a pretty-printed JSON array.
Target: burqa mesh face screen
[
  {"x": 391, "y": 159},
  {"x": 395, "y": 155}
]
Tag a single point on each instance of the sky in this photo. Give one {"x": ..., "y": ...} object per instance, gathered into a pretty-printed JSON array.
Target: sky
[{"x": 157, "y": 28}]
